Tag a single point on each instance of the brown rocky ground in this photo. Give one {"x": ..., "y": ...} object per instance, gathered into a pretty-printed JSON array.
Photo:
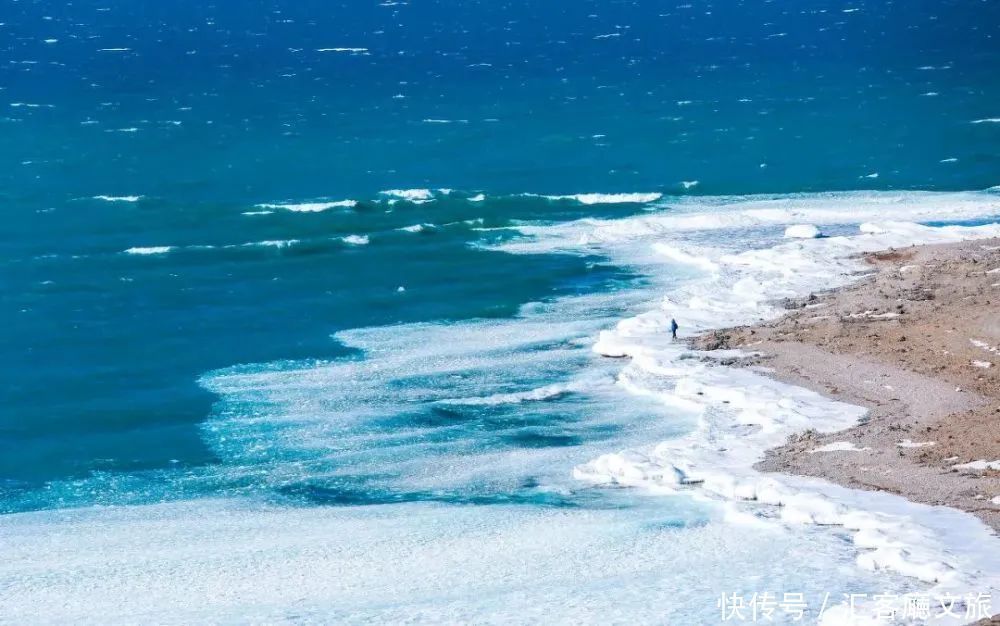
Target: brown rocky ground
[{"x": 911, "y": 343}]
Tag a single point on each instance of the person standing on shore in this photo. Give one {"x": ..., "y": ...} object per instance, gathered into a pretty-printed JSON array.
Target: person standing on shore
[{"x": 673, "y": 328}]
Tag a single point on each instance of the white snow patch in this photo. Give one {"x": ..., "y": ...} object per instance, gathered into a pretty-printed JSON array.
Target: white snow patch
[
  {"x": 979, "y": 343},
  {"x": 907, "y": 443},
  {"x": 979, "y": 466},
  {"x": 872, "y": 314},
  {"x": 839, "y": 446}
]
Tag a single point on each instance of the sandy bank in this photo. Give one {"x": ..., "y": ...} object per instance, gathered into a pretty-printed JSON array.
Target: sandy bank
[{"x": 918, "y": 344}]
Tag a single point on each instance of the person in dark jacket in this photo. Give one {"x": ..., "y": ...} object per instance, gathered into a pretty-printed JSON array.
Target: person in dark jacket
[{"x": 673, "y": 328}]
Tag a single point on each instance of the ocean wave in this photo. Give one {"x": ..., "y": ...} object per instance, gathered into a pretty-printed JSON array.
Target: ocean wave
[
  {"x": 311, "y": 207},
  {"x": 416, "y": 196},
  {"x": 271, "y": 243},
  {"x": 150, "y": 250},
  {"x": 417, "y": 228},
  {"x": 355, "y": 240},
  {"x": 539, "y": 394},
  {"x": 802, "y": 231},
  {"x": 118, "y": 198},
  {"x": 605, "y": 198},
  {"x": 739, "y": 214},
  {"x": 363, "y": 51}
]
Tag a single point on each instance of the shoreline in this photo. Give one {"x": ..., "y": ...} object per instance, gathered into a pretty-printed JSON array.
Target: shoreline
[
  {"x": 834, "y": 538},
  {"x": 917, "y": 344},
  {"x": 742, "y": 412}
]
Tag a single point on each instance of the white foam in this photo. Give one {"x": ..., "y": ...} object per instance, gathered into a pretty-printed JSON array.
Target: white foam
[
  {"x": 741, "y": 213},
  {"x": 416, "y": 196},
  {"x": 417, "y": 228},
  {"x": 604, "y": 198},
  {"x": 547, "y": 392},
  {"x": 679, "y": 256},
  {"x": 118, "y": 198},
  {"x": 236, "y": 561},
  {"x": 311, "y": 207},
  {"x": 742, "y": 413},
  {"x": 981, "y": 364},
  {"x": 272, "y": 243},
  {"x": 802, "y": 231},
  {"x": 355, "y": 240},
  {"x": 987, "y": 120},
  {"x": 150, "y": 250},
  {"x": 342, "y": 49},
  {"x": 250, "y": 562}
]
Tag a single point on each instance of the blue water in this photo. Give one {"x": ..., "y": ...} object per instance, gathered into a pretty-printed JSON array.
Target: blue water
[{"x": 113, "y": 361}]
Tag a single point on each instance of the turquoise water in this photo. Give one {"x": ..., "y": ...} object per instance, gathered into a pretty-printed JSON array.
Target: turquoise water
[
  {"x": 115, "y": 362},
  {"x": 272, "y": 310}
]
